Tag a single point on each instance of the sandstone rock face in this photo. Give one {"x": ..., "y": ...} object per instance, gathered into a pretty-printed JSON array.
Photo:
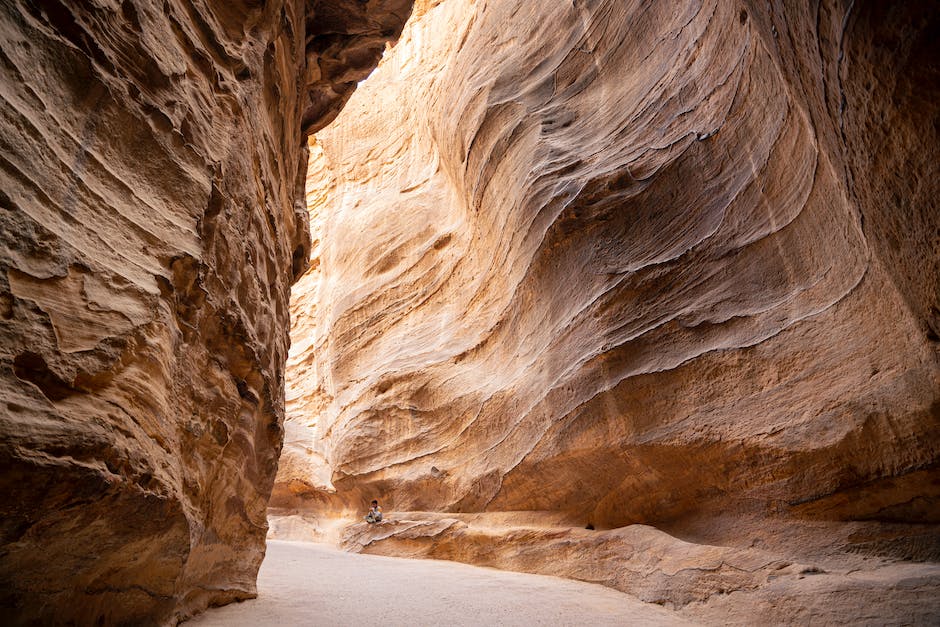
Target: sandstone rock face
[
  {"x": 151, "y": 227},
  {"x": 634, "y": 263}
]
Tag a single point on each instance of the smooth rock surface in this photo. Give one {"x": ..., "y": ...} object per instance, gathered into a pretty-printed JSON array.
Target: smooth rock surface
[
  {"x": 151, "y": 224},
  {"x": 674, "y": 264}
]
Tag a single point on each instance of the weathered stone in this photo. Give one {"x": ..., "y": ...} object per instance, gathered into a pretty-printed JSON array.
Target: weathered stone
[
  {"x": 151, "y": 227},
  {"x": 659, "y": 263}
]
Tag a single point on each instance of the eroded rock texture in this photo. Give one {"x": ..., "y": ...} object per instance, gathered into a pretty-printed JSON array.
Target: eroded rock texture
[
  {"x": 152, "y": 158},
  {"x": 632, "y": 262}
]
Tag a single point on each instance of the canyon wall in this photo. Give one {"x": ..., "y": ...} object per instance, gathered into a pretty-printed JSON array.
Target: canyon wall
[
  {"x": 152, "y": 222},
  {"x": 662, "y": 263}
]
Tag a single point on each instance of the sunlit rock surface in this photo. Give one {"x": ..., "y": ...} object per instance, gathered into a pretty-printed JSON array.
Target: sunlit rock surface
[
  {"x": 151, "y": 226},
  {"x": 664, "y": 263}
]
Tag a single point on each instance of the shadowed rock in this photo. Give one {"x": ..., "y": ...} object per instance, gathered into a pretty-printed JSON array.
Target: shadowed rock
[{"x": 151, "y": 226}]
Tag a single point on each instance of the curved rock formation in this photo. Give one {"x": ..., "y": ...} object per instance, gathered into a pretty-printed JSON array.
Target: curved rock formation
[
  {"x": 151, "y": 228},
  {"x": 634, "y": 263}
]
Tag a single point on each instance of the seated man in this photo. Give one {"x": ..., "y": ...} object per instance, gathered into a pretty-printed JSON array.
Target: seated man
[{"x": 375, "y": 513}]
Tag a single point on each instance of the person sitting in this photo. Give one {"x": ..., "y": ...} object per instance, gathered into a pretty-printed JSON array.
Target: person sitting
[{"x": 375, "y": 513}]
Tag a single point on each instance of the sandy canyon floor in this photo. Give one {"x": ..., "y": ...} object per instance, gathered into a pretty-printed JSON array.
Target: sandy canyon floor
[
  {"x": 784, "y": 573},
  {"x": 302, "y": 583}
]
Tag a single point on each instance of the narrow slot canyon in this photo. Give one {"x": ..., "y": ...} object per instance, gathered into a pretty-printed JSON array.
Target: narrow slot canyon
[
  {"x": 614, "y": 308},
  {"x": 642, "y": 297}
]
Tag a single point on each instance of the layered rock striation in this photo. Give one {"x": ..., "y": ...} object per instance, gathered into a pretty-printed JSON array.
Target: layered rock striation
[
  {"x": 152, "y": 222},
  {"x": 633, "y": 263}
]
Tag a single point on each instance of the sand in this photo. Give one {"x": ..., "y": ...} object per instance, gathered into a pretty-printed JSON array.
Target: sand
[{"x": 302, "y": 583}]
